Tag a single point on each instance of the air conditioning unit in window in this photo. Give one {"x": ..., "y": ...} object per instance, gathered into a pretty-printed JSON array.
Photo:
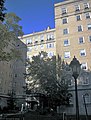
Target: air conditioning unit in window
[
  {"x": 42, "y": 40},
  {"x": 86, "y": 7},
  {"x": 77, "y": 10},
  {"x": 36, "y": 41},
  {"x": 64, "y": 13},
  {"x": 87, "y": 16}
]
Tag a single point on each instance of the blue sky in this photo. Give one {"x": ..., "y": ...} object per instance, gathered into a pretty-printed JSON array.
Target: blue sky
[{"x": 36, "y": 15}]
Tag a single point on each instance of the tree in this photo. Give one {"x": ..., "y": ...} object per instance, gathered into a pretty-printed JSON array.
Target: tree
[
  {"x": 12, "y": 24},
  {"x": 9, "y": 32},
  {"x": 2, "y": 9},
  {"x": 42, "y": 74}
]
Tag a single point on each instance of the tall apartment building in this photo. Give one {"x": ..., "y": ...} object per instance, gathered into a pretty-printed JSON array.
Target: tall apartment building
[
  {"x": 12, "y": 75},
  {"x": 73, "y": 31},
  {"x": 40, "y": 41},
  {"x": 73, "y": 38},
  {"x": 70, "y": 37}
]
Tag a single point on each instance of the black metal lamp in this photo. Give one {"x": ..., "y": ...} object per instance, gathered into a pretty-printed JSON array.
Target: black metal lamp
[
  {"x": 75, "y": 66},
  {"x": 84, "y": 99}
]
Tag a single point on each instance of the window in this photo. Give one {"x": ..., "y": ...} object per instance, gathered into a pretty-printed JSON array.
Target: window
[
  {"x": 71, "y": 99},
  {"x": 66, "y": 42},
  {"x": 67, "y": 54},
  {"x": 42, "y": 38},
  {"x": 50, "y": 36},
  {"x": 86, "y": 98},
  {"x": 50, "y": 45},
  {"x": 80, "y": 28},
  {"x": 50, "y": 54},
  {"x": 29, "y": 58},
  {"x": 36, "y": 47},
  {"x": 84, "y": 66},
  {"x": 81, "y": 40},
  {"x": 29, "y": 41},
  {"x": 42, "y": 46},
  {"x": 64, "y": 21},
  {"x": 85, "y": 81},
  {"x": 77, "y": 8},
  {"x": 89, "y": 38},
  {"x": 78, "y": 17},
  {"x": 88, "y": 15},
  {"x": 64, "y": 10},
  {"x": 86, "y": 5},
  {"x": 89, "y": 26},
  {"x": 36, "y": 39},
  {"x": 83, "y": 52},
  {"x": 36, "y": 42},
  {"x": 29, "y": 49},
  {"x": 15, "y": 75},
  {"x": 84, "y": 78},
  {"x": 65, "y": 31}
]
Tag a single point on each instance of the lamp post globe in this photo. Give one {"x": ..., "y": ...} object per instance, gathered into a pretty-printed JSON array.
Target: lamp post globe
[{"x": 76, "y": 67}]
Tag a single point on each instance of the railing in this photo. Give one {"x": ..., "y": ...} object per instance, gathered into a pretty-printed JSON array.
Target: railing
[{"x": 18, "y": 116}]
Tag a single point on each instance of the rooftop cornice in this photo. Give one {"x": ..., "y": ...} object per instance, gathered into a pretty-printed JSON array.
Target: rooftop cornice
[
  {"x": 68, "y": 2},
  {"x": 38, "y": 33}
]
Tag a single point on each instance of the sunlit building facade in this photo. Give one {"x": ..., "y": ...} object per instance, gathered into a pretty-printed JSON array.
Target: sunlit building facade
[
  {"x": 40, "y": 41},
  {"x": 73, "y": 38},
  {"x": 73, "y": 31},
  {"x": 12, "y": 80},
  {"x": 70, "y": 37}
]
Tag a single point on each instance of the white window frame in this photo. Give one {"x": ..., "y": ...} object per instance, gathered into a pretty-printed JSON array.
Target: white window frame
[
  {"x": 65, "y": 31},
  {"x": 81, "y": 28},
  {"x": 41, "y": 38},
  {"x": 36, "y": 40},
  {"x": 86, "y": 5},
  {"x": 42, "y": 46},
  {"x": 29, "y": 57},
  {"x": 77, "y": 8},
  {"x": 79, "y": 17},
  {"x": 88, "y": 15},
  {"x": 50, "y": 45},
  {"x": 28, "y": 41},
  {"x": 79, "y": 40},
  {"x": 89, "y": 26},
  {"x": 66, "y": 54},
  {"x": 87, "y": 99},
  {"x": 64, "y": 20},
  {"x": 82, "y": 52},
  {"x": 64, "y": 10},
  {"x": 29, "y": 49},
  {"x": 36, "y": 47},
  {"x": 83, "y": 66},
  {"x": 50, "y": 36},
  {"x": 68, "y": 42},
  {"x": 89, "y": 38},
  {"x": 50, "y": 54}
]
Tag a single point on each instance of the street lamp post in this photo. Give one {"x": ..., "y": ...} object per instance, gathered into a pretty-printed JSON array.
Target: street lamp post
[
  {"x": 85, "y": 106},
  {"x": 75, "y": 66}
]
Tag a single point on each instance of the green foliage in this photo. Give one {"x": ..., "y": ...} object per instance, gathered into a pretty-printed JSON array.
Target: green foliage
[
  {"x": 12, "y": 24},
  {"x": 49, "y": 77},
  {"x": 9, "y": 32}
]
